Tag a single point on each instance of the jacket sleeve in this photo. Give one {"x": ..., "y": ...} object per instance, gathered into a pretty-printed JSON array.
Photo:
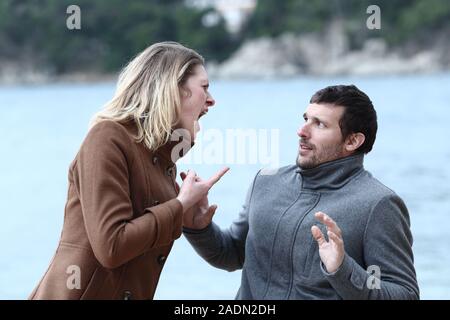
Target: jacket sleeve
[
  {"x": 387, "y": 251},
  {"x": 223, "y": 249},
  {"x": 102, "y": 182}
]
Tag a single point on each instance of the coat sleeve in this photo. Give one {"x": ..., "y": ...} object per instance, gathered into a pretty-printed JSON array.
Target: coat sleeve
[
  {"x": 387, "y": 251},
  {"x": 102, "y": 183},
  {"x": 223, "y": 249}
]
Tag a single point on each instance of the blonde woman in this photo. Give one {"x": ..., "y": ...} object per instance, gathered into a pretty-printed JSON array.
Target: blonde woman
[{"x": 124, "y": 208}]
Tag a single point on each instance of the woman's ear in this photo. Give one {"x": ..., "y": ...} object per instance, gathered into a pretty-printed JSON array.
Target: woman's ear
[
  {"x": 184, "y": 92},
  {"x": 354, "y": 141}
]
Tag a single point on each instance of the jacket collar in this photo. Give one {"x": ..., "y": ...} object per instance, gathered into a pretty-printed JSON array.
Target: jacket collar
[
  {"x": 332, "y": 175},
  {"x": 168, "y": 152},
  {"x": 172, "y": 151}
]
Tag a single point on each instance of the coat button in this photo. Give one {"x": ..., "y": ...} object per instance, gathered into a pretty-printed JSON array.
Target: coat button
[
  {"x": 169, "y": 171},
  {"x": 155, "y": 203},
  {"x": 155, "y": 160},
  {"x": 127, "y": 295},
  {"x": 162, "y": 259}
]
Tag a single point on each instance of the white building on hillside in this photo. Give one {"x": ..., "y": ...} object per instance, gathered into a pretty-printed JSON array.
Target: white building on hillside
[{"x": 235, "y": 12}]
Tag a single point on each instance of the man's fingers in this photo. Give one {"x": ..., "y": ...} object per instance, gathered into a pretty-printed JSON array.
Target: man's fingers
[
  {"x": 335, "y": 238},
  {"x": 317, "y": 234},
  {"x": 330, "y": 223},
  {"x": 216, "y": 177}
]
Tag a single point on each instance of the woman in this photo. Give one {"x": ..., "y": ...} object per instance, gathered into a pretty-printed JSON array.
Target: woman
[{"x": 124, "y": 208}]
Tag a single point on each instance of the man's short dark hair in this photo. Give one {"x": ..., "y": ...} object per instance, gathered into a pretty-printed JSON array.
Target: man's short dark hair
[{"x": 359, "y": 114}]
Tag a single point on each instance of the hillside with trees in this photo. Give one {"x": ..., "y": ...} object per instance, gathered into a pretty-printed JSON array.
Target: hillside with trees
[{"x": 33, "y": 34}]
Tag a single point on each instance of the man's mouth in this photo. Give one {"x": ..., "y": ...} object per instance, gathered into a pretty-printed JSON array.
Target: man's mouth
[{"x": 305, "y": 146}]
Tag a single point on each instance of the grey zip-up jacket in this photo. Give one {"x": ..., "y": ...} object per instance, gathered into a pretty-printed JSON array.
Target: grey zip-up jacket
[{"x": 271, "y": 239}]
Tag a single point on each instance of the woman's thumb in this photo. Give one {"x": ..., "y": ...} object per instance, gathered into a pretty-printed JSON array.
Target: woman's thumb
[
  {"x": 190, "y": 175},
  {"x": 211, "y": 211}
]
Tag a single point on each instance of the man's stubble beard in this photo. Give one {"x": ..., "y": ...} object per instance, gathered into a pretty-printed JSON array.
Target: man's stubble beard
[{"x": 327, "y": 154}]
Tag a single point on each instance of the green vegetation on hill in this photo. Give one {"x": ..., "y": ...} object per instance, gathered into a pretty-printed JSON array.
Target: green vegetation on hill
[
  {"x": 113, "y": 31},
  {"x": 401, "y": 20}
]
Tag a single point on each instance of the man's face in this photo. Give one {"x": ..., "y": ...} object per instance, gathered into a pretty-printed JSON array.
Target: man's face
[{"x": 320, "y": 136}]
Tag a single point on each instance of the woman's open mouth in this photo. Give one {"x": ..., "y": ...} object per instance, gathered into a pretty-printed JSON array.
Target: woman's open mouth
[{"x": 202, "y": 114}]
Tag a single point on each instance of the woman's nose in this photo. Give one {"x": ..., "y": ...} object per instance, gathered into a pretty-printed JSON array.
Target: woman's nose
[{"x": 210, "y": 100}]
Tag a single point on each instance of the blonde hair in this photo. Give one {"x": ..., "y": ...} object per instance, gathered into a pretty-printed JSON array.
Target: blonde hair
[{"x": 148, "y": 91}]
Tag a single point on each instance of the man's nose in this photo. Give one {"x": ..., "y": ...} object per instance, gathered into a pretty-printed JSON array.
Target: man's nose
[{"x": 302, "y": 131}]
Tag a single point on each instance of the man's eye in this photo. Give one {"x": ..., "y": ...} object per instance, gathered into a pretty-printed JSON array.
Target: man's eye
[{"x": 320, "y": 124}]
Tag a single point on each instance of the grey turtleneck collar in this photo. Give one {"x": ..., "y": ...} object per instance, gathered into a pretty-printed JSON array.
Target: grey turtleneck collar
[{"x": 332, "y": 175}]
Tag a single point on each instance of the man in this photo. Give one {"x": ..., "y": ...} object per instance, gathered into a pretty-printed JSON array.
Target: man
[{"x": 323, "y": 229}]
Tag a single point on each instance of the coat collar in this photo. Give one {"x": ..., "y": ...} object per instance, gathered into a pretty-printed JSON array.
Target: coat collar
[
  {"x": 167, "y": 154},
  {"x": 332, "y": 175},
  {"x": 170, "y": 152}
]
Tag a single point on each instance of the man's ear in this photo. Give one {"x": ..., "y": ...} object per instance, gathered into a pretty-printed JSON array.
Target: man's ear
[{"x": 354, "y": 141}]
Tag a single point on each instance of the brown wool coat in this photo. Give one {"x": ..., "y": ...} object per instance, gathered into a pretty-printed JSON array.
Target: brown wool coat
[{"x": 121, "y": 219}]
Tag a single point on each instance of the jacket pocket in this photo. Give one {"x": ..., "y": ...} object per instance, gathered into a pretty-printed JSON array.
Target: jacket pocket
[
  {"x": 68, "y": 273},
  {"x": 94, "y": 285},
  {"x": 104, "y": 284},
  {"x": 311, "y": 283},
  {"x": 311, "y": 268}
]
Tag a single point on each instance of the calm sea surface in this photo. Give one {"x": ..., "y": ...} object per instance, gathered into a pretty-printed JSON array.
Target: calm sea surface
[{"x": 42, "y": 127}]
